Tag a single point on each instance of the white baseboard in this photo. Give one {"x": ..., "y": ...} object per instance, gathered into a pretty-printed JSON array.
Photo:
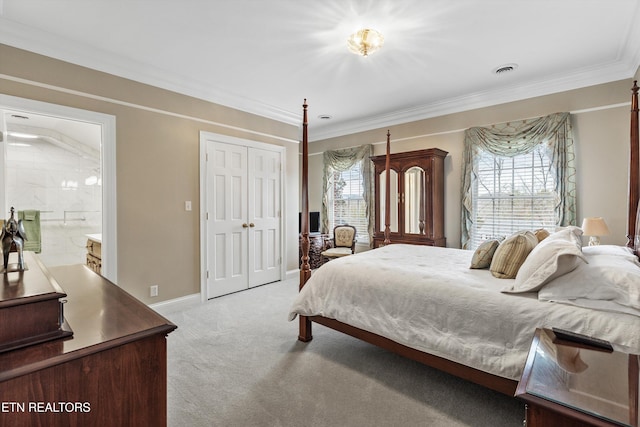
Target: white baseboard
[
  {"x": 290, "y": 274},
  {"x": 175, "y": 304},
  {"x": 193, "y": 300}
]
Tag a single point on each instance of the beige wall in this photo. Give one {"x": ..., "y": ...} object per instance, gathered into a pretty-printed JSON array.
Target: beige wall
[
  {"x": 157, "y": 164},
  {"x": 601, "y": 131},
  {"x": 157, "y": 159}
]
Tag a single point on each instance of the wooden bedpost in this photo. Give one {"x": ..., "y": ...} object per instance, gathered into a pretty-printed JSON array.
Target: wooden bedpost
[
  {"x": 423, "y": 208},
  {"x": 305, "y": 268},
  {"x": 387, "y": 193},
  {"x": 634, "y": 170}
]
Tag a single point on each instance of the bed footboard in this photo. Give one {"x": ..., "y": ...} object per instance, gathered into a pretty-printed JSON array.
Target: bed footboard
[{"x": 493, "y": 382}]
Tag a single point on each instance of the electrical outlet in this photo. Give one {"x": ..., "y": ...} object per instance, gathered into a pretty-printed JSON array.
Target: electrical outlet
[{"x": 153, "y": 290}]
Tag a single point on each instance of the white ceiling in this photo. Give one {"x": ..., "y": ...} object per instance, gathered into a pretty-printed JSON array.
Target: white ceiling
[
  {"x": 266, "y": 56},
  {"x": 81, "y": 138}
]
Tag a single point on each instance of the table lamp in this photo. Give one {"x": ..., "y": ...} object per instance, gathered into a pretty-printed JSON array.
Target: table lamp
[{"x": 594, "y": 227}]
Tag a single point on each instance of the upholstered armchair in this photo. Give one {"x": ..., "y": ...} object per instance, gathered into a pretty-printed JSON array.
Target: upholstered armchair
[{"x": 343, "y": 242}]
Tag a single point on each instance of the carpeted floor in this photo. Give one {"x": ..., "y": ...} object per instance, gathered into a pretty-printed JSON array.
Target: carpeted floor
[{"x": 235, "y": 361}]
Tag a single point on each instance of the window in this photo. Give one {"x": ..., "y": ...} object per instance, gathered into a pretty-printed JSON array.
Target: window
[
  {"x": 513, "y": 193},
  {"x": 527, "y": 180},
  {"x": 347, "y": 192},
  {"x": 347, "y": 204}
]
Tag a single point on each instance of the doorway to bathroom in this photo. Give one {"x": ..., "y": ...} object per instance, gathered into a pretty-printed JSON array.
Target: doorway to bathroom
[{"x": 54, "y": 173}]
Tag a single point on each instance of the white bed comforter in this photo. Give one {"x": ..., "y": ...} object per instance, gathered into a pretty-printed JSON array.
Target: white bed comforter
[{"x": 427, "y": 298}]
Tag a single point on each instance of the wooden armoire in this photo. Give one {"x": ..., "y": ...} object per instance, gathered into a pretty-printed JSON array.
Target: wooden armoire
[{"x": 417, "y": 197}]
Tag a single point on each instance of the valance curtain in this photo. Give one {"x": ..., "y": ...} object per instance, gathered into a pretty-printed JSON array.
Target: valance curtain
[
  {"x": 521, "y": 137},
  {"x": 343, "y": 160}
]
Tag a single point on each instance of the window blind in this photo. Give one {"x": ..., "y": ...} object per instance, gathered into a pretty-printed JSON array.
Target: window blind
[
  {"x": 512, "y": 194},
  {"x": 348, "y": 203}
]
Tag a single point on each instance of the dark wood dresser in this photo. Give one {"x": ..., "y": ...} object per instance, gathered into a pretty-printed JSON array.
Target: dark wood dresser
[{"x": 111, "y": 372}]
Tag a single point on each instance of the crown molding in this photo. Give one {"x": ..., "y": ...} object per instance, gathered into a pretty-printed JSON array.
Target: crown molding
[
  {"x": 580, "y": 79},
  {"x": 23, "y": 37},
  {"x": 47, "y": 44}
]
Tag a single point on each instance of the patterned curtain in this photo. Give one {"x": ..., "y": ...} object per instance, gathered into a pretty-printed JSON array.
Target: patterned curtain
[
  {"x": 340, "y": 161},
  {"x": 521, "y": 137}
]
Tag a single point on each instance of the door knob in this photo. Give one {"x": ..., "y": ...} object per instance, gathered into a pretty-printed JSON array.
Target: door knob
[
  {"x": 251, "y": 224},
  {"x": 244, "y": 225}
]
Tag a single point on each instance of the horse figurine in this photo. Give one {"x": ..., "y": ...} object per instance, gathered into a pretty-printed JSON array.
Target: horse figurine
[{"x": 13, "y": 236}]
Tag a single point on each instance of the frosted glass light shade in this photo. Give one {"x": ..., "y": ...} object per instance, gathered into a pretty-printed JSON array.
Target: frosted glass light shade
[{"x": 365, "y": 42}]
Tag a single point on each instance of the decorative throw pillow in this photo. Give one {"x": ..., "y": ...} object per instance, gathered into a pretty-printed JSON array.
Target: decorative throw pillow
[
  {"x": 484, "y": 253},
  {"x": 558, "y": 254},
  {"x": 541, "y": 234},
  {"x": 511, "y": 253}
]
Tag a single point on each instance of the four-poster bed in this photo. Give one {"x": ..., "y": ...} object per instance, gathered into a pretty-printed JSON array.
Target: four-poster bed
[{"x": 448, "y": 320}]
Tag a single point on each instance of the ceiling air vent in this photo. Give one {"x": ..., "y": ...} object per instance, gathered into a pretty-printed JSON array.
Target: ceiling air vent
[{"x": 505, "y": 69}]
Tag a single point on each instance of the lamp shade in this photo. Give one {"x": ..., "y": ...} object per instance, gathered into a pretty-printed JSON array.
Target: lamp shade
[{"x": 594, "y": 226}]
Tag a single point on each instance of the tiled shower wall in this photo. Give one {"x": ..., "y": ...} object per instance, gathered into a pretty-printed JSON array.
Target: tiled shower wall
[{"x": 65, "y": 187}]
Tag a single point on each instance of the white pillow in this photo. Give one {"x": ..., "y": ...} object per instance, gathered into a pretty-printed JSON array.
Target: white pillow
[
  {"x": 606, "y": 277},
  {"x": 628, "y": 283},
  {"x": 613, "y": 250},
  {"x": 577, "y": 231},
  {"x": 571, "y": 234},
  {"x": 554, "y": 256}
]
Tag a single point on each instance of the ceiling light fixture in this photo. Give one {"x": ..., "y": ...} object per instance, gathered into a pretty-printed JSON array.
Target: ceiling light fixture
[{"x": 365, "y": 42}]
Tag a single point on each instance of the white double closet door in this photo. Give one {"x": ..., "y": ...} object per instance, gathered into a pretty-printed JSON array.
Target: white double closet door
[{"x": 243, "y": 217}]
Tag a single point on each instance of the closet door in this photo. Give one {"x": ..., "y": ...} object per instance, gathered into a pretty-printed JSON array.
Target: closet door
[
  {"x": 243, "y": 217},
  {"x": 228, "y": 227},
  {"x": 264, "y": 216}
]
